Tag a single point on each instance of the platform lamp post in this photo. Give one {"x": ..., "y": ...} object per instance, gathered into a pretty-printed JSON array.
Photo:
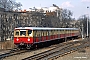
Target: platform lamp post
[{"x": 87, "y": 22}]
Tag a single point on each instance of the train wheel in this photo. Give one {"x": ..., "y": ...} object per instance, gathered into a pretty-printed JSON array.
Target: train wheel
[
  {"x": 36, "y": 46},
  {"x": 28, "y": 46}
]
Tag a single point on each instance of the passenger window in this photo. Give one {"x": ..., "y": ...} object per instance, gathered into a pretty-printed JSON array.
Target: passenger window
[
  {"x": 39, "y": 34},
  {"x": 59, "y": 32},
  {"x": 43, "y": 33},
  {"x": 34, "y": 34},
  {"x": 47, "y": 32},
  {"x": 51, "y": 32}
]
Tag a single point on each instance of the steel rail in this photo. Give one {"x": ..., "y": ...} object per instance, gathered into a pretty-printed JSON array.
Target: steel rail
[
  {"x": 66, "y": 51},
  {"x": 49, "y": 52},
  {"x": 11, "y": 53}
]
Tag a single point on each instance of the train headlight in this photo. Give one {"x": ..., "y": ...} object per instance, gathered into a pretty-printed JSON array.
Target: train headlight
[
  {"x": 17, "y": 39},
  {"x": 28, "y": 39}
]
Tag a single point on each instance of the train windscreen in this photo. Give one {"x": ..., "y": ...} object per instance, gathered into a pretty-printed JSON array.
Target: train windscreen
[
  {"x": 22, "y": 32},
  {"x": 29, "y": 32},
  {"x": 17, "y": 33}
]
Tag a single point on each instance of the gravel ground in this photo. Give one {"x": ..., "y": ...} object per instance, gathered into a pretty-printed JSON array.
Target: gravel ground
[
  {"x": 78, "y": 55},
  {"x": 27, "y": 54},
  {"x": 3, "y": 51},
  {"x": 73, "y": 56}
]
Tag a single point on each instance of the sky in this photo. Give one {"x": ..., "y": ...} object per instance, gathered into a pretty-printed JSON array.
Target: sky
[{"x": 77, "y": 7}]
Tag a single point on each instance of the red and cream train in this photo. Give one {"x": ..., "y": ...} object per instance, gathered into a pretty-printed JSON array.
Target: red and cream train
[{"x": 28, "y": 36}]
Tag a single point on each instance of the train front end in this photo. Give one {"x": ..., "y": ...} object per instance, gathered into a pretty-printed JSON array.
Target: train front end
[{"x": 23, "y": 37}]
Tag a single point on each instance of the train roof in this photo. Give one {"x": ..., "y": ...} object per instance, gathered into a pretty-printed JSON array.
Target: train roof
[{"x": 45, "y": 28}]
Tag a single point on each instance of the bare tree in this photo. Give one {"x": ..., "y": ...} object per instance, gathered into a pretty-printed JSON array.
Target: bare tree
[
  {"x": 66, "y": 17},
  {"x": 17, "y": 6},
  {"x": 9, "y": 5},
  {"x": 83, "y": 20}
]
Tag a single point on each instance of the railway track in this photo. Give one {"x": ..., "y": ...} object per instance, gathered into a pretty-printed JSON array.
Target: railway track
[
  {"x": 17, "y": 52},
  {"x": 11, "y": 53},
  {"x": 60, "y": 50},
  {"x": 66, "y": 51}
]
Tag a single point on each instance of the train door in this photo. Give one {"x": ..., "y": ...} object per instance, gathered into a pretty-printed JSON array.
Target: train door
[
  {"x": 42, "y": 35},
  {"x": 39, "y": 36},
  {"x": 48, "y": 34},
  {"x": 45, "y": 35},
  {"x": 64, "y": 33},
  {"x": 34, "y": 35},
  {"x": 59, "y": 34}
]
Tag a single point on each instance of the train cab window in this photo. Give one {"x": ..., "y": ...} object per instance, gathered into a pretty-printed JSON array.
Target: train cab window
[
  {"x": 22, "y": 32},
  {"x": 29, "y": 32},
  {"x": 17, "y": 33}
]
